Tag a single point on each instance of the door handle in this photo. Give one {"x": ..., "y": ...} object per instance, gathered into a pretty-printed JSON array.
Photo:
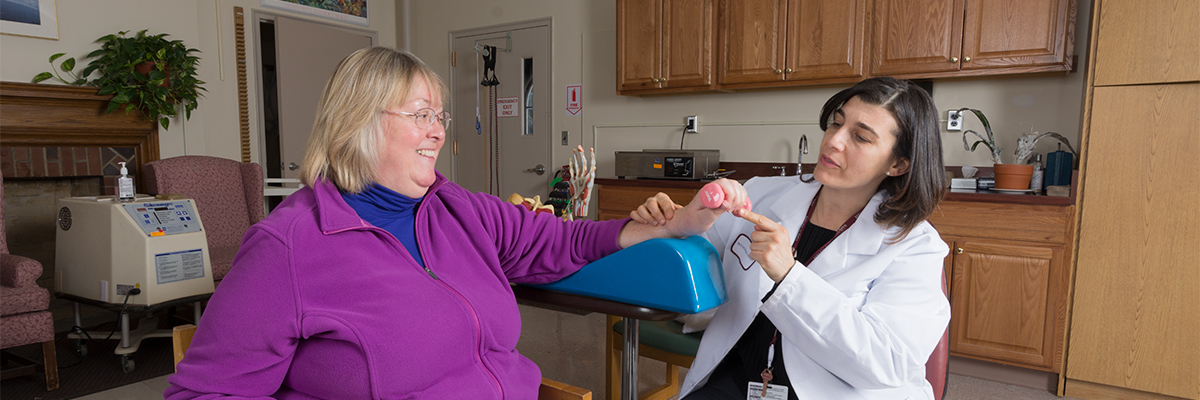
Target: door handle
[
  {"x": 539, "y": 169},
  {"x": 292, "y": 166}
]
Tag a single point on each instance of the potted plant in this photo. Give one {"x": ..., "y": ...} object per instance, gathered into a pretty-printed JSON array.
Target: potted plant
[
  {"x": 1013, "y": 176},
  {"x": 143, "y": 72}
]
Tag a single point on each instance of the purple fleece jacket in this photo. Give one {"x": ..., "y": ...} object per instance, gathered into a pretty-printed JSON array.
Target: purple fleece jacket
[{"x": 321, "y": 304}]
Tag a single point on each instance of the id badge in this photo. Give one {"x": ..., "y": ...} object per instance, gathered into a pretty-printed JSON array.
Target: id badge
[{"x": 774, "y": 392}]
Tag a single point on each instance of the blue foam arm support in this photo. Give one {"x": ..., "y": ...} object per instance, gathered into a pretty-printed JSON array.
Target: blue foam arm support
[{"x": 679, "y": 275}]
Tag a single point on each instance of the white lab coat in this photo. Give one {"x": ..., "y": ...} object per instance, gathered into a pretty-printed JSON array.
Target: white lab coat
[{"x": 858, "y": 323}]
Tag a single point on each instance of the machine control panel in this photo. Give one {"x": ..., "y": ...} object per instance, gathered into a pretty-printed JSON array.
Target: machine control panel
[{"x": 166, "y": 217}]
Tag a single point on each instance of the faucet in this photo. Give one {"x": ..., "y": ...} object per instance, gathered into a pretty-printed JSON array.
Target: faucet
[{"x": 803, "y": 151}]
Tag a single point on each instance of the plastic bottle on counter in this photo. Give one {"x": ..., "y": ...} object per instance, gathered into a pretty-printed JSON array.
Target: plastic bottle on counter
[
  {"x": 1035, "y": 182},
  {"x": 124, "y": 185}
]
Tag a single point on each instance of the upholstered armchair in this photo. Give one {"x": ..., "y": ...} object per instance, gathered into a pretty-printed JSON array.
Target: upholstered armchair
[
  {"x": 228, "y": 195},
  {"x": 24, "y": 310}
]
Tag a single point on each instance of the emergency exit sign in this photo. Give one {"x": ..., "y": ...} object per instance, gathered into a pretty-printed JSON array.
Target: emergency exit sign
[{"x": 508, "y": 106}]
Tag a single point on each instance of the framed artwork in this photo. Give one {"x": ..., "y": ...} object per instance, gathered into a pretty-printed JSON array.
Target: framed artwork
[
  {"x": 352, "y": 11},
  {"x": 33, "y": 18}
]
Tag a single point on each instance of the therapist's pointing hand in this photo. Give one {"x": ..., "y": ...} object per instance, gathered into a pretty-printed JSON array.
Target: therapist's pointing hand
[{"x": 770, "y": 246}]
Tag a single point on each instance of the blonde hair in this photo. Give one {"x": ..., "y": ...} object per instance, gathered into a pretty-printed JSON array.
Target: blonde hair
[{"x": 348, "y": 131}]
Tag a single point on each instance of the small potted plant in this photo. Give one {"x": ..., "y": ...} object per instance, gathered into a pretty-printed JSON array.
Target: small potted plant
[
  {"x": 143, "y": 72},
  {"x": 1013, "y": 176}
]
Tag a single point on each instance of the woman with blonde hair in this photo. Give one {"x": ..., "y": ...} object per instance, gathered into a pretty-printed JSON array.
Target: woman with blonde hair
[{"x": 380, "y": 278}]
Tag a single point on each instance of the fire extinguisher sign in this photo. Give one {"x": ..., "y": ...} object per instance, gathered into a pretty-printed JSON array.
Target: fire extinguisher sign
[{"x": 574, "y": 100}]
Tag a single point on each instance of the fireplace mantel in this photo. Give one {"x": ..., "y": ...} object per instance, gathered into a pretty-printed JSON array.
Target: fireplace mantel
[{"x": 56, "y": 115}]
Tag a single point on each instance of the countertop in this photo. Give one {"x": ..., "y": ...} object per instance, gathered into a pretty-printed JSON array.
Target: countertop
[{"x": 986, "y": 196}]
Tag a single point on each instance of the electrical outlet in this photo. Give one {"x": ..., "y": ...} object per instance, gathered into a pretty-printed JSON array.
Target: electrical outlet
[
  {"x": 693, "y": 124},
  {"x": 954, "y": 120},
  {"x": 564, "y": 137}
]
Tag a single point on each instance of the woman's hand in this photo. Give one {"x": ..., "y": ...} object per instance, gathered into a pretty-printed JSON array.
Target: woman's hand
[
  {"x": 769, "y": 246},
  {"x": 694, "y": 218}
]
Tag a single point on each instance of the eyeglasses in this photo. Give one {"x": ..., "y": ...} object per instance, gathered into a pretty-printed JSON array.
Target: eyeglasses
[{"x": 425, "y": 116}]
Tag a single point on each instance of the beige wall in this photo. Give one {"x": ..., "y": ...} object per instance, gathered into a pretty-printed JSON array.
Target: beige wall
[{"x": 214, "y": 126}]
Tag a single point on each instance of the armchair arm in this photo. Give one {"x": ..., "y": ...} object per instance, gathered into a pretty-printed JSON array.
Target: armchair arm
[{"x": 19, "y": 272}]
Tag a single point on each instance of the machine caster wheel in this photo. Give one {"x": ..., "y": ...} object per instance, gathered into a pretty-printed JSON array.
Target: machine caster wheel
[
  {"x": 81, "y": 348},
  {"x": 127, "y": 365}
]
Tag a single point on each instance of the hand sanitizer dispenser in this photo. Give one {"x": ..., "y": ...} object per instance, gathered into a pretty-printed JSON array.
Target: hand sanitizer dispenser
[{"x": 124, "y": 185}]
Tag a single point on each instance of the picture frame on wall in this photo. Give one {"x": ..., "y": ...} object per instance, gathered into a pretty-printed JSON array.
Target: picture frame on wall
[
  {"x": 351, "y": 11},
  {"x": 32, "y": 18}
]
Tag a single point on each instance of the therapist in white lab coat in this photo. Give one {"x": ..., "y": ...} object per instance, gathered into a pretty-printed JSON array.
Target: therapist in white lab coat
[{"x": 834, "y": 283}]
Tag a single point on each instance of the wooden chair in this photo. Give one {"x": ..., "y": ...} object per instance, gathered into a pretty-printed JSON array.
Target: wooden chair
[
  {"x": 550, "y": 390},
  {"x": 657, "y": 340}
]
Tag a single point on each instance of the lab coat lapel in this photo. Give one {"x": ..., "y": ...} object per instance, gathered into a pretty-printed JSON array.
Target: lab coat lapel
[{"x": 864, "y": 237}]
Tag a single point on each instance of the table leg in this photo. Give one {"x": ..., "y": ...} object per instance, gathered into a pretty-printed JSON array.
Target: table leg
[{"x": 629, "y": 358}]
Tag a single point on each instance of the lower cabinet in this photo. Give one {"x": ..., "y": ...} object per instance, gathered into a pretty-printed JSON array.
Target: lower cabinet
[
  {"x": 1009, "y": 273},
  {"x": 616, "y": 201},
  {"x": 1007, "y": 299}
]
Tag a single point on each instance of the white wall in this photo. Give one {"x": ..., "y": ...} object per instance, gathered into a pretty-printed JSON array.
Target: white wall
[{"x": 214, "y": 128}]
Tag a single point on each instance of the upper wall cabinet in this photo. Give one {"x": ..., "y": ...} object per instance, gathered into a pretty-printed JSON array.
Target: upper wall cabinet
[
  {"x": 765, "y": 43},
  {"x": 952, "y": 38},
  {"x": 665, "y": 46}
]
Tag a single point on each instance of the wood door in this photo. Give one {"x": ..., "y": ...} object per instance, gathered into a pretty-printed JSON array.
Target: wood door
[
  {"x": 688, "y": 30},
  {"x": 1147, "y": 42},
  {"x": 917, "y": 36},
  {"x": 825, "y": 39},
  {"x": 639, "y": 44},
  {"x": 1004, "y": 301},
  {"x": 1003, "y": 33},
  {"x": 751, "y": 40},
  {"x": 1135, "y": 317}
]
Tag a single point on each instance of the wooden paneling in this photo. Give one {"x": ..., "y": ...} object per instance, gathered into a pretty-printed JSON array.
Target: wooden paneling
[
  {"x": 1017, "y": 32},
  {"x": 57, "y": 115},
  {"x": 751, "y": 45},
  {"x": 618, "y": 201},
  {"x": 639, "y": 44},
  {"x": 916, "y": 36},
  {"x": 825, "y": 39},
  {"x": 1096, "y": 391},
  {"x": 1136, "y": 317},
  {"x": 1003, "y": 221},
  {"x": 1008, "y": 302},
  {"x": 1147, "y": 42},
  {"x": 688, "y": 30}
]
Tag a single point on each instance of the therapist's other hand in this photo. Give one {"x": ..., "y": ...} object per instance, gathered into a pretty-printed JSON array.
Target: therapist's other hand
[
  {"x": 694, "y": 218},
  {"x": 769, "y": 245}
]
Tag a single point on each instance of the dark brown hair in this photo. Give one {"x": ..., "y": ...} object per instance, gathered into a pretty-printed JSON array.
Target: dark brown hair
[{"x": 913, "y": 196}]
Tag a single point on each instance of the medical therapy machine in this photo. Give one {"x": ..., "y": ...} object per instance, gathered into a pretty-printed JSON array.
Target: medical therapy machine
[{"x": 133, "y": 256}]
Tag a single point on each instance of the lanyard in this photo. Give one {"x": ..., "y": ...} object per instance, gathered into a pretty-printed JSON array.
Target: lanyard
[
  {"x": 811, "y": 207},
  {"x": 767, "y": 374}
]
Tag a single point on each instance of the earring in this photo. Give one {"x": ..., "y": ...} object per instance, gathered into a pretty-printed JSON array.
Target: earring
[{"x": 889, "y": 173}]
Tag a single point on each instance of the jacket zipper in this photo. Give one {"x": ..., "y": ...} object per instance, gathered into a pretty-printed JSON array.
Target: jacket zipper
[{"x": 474, "y": 315}]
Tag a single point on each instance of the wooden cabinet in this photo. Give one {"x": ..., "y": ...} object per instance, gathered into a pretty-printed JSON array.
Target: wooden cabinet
[
  {"x": 950, "y": 38},
  {"x": 784, "y": 42},
  {"x": 665, "y": 45},
  {"x": 1009, "y": 274},
  {"x": 1135, "y": 326},
  {"x": 616, "y": 201}
]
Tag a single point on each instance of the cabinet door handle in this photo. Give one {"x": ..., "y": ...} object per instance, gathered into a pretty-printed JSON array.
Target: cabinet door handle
[
  {"x": 953, "y": 59},
  {"x": 778, "y": 71},
  {"x": 958, "y": 250},
  {"x": 655, "y": 80},
  {"x": 789, "y": 70},
  {"x": 967, "y": 59},
  {"x": 663, "y": 80}
]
